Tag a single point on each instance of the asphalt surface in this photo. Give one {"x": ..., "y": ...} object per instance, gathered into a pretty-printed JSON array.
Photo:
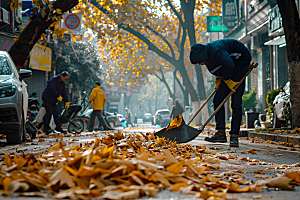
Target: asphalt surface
[{"x": 275, "y": 159}]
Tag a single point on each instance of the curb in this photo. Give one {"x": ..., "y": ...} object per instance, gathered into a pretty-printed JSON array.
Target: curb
[{"x": 277, "y": 137}]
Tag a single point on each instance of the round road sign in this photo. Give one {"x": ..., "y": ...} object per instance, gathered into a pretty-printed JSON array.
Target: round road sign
[
  {"x": 128, "y": 93},
  {"x": 72, "y": 21}
]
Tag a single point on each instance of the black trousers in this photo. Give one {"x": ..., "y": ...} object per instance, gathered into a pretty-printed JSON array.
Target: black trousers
[
  {"x": 51, "y": 109},
  {"x": 97, "y": 113},
  {"x": 236, "y": 101}
]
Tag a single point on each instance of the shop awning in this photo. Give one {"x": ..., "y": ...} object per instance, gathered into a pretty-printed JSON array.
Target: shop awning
[{"x": 276, "y": 41}]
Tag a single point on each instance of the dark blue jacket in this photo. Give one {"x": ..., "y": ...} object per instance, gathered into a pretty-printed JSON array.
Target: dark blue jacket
[
  {"x": 54, "y": 89},
  {"x": 222, "y": 57}
]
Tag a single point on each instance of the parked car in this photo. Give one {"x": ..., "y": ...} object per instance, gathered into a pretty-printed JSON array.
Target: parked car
[
  {"x": 121, "y": 118},
  {"x": 13, "y": 100},
  {"x": 165, "y": 113},
  {"x": 282, "y": 107},
  {"x": 111, "y": 118},
  {"x": 148, "y": 118}
]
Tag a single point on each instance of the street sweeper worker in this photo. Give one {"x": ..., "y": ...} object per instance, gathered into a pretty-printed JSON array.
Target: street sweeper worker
[
  {"x": 229, "y": 61},
  {"x": 98, "y": 99},
  {"x": 55, "y": 91}
]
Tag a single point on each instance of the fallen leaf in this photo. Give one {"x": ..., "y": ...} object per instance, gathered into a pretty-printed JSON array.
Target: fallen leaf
[
  {"x": 223, "y": 157},
  {"x": 63, "y": 177},
  {"x": 251, "y": 151},
  {"x": 280, "y": 182},
  {"x": 258, "y": 172}
]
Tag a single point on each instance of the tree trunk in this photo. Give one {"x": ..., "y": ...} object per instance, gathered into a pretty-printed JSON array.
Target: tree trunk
[
  {"x": 187, "y": 82},
  {"x": 184, "y": 92},
  {"x": 31, "y": 34},
  {"x": 291, "y": 25},
  {"x": 149, "y": 105},
  {"x": 163, "y": 79},
  {"x": 187, "y": 7}
]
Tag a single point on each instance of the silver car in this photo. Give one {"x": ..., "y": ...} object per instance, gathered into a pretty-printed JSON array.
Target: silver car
[
  {"x": 282, "y": 112},
  {"x": 165, "y": 120},
  {"x": 13, "y": 100}
]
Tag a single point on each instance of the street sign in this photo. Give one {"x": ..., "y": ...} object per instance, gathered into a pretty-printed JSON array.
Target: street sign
[
  {"x": 107, "y": 91},
  {"x": 128, "y": 93},
  {"x": 72, "y": 21},
  {"x": 230, "y": 13},
  {"x": 214, "y": 24}
]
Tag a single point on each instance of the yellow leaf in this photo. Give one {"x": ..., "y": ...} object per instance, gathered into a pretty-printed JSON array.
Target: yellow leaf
[
  {"x": 280, "y": 182},
  {"x": 91, "y": 38},
  {"x": 58, "y": 11},
  {"x": 7, "y": 160},
  {"x": 175, "y": 122},
  {"x": 79, "y": 38},
  {"x": 73, "y": 37},
  {"x": 63, "y": 177},
  {"x": 6, "y": 182}
]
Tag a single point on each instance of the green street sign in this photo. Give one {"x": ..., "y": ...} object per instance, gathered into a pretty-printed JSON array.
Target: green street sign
[{"x": 214, "y": 24}]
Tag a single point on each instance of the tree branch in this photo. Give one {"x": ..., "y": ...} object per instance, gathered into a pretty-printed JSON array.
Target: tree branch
[
  {"x": 162, "y": 79},
  {"x": 183, "y": 28},
  {"x": 176, "y": 42},
  {"x": 176, "y": 13},
  {"x": 151, "y": 46},
  {"x": 164, "y": 39},
  {"x": 180, "y": 85},
  {"x": 31, "y": 34}
]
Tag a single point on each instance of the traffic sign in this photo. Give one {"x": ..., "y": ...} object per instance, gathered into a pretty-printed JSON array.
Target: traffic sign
[
  {"x": 72, "y": 21},
  {"x": 107, "y": 91},
  {"x": 214, "y": 24},
  {"x": 128, "y": 93}
]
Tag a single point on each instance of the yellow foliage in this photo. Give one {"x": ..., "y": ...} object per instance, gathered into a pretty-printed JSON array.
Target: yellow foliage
[{"x": 175, "y": 123}]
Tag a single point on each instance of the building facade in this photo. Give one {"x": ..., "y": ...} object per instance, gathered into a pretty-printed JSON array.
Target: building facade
[{"x": 260, "y": 28}]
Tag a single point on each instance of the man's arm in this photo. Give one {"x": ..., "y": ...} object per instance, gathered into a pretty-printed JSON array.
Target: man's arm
[
  {"x": 171, "y": 112},
  {"x": 64, "y": 94},
  {"x": 104, "y": 100},
  {"x": 227, "y": 64},
  {"x": 52, "y": 87},
  {"x": 92, "y": 97}
]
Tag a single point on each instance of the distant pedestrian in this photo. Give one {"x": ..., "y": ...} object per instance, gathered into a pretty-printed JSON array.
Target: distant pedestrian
[
  {"x": 55, "y": 91},
  {"x": 177, "y": 109},
  {"x": 128, "y": 117},
  {"x": 98, "y": 99},
  {"x": 159, "y": 118},
  {"x": 135, "y": 120}
]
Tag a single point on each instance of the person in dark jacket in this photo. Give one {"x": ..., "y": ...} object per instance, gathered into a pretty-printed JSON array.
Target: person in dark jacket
[
  {"x": 229, "y": 61},
  {"x": 55, "y": 91},
  {"x": 128, "y": 117},
  {"x": 177, "y": 109}
]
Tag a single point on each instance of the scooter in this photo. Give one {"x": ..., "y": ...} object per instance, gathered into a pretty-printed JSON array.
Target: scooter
[{"x": 33, "y": 109}]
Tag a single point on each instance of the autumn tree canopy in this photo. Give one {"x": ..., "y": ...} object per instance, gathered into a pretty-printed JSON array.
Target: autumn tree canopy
[{"x": 128, "y": 31}]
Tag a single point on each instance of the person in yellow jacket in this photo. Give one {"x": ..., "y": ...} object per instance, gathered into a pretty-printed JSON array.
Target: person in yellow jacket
[{"x": 98, "y": 99}]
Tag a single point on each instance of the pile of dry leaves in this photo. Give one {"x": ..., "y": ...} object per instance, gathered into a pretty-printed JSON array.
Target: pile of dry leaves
[{"x": 125, "y": 167}]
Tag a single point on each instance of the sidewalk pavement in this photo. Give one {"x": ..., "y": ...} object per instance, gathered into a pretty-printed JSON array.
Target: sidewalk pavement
[{"x": 282, "y": 136}]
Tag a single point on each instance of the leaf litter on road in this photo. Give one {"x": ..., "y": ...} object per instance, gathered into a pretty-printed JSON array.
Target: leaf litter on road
[{"x": 121, "y": 166}]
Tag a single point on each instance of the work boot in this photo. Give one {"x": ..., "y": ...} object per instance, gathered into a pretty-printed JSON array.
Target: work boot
[
  {"x": 234, "y": 140},
  {"x": 219, "y": 136},
  {"x": 47, "y": 132},
  {"x": 61, "y": 131}
]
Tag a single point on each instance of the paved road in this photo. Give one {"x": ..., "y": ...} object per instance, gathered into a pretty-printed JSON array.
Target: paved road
[{"x": 273, "y": 155}]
